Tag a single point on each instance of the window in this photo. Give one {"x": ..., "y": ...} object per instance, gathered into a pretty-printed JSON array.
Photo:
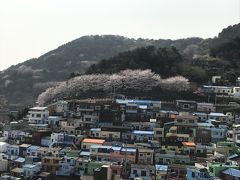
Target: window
[
  {"x": 186, "y": 106},
  {"x": 191, "y": 121},
  {"x": 193, "y": 174},
  {"x": 143, "y": 173},
  {"x": 238, "y": 137},
  {"x": 134, "y": 171},
  {"x": 158, "y": 132},
  {"x": 98, "y": 107},
  {"x": 88, "y": 119},
  {"x": 38, "y": 115}
]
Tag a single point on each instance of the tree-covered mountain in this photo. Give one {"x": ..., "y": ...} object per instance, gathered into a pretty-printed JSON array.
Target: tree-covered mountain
[
  {"x": 22, "y": 83},
  {"x": 163, "y": 61}
]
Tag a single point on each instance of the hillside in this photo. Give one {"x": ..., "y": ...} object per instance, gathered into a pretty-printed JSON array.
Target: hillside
[
  {"x": 148, "y": 57},
  {"x": 22, "y": 83}
]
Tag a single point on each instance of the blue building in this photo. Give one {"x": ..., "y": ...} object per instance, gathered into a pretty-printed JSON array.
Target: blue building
[{"x": 194, "y": 173}]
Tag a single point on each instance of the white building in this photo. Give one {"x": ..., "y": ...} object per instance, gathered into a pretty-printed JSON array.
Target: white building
[
  {"x": 38, "y": 115},
  {"x": 67, "y": 166},
  {"x": 61, "y": 106},
  {"x": 3, "y": 147},
  {"x": 219, "y": 117},
  {"x": 30, "y": 171},
  {"x": 3, "y": 163}
]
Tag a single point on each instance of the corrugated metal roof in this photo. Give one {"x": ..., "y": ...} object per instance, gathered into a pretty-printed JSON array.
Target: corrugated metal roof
[{"x": 232, "y": 172}]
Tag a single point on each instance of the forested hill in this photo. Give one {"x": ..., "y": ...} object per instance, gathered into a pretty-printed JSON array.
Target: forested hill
[
  {"x": 163, "y": 61},
  {"x": 24, "y": 82}
]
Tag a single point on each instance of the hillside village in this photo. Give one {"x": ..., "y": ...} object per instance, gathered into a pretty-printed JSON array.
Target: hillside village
[{"x": 121, "y": 138}]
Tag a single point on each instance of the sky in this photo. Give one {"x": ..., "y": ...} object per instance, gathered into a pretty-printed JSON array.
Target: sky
[{"x": 30, "y": 28}]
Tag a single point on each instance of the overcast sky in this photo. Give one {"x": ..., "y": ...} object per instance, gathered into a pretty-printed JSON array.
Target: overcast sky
[{"x": 30, "y": 28}]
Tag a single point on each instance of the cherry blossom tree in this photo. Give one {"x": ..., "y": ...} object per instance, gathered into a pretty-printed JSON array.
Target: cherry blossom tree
[{"x": 137, "y": 80}]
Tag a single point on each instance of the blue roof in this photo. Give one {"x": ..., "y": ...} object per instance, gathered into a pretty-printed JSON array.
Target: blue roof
[
  {"x": 232, "y": 172},
  {"x": 233, "y": 156},
  {"x": 133, "y": 101},
  {"x": 161, "y": 167},
  {"x": 128, "y": 149},
  {"x": 143, "y": 132},
  {"x": 34, "y": 147},
  {"x": 20, "y": 160},
  {"x": 217, "y": 114},
  {"x": 199, "y": 113},
  {"x": 95, "y": 129},
  {"x": 29, "y": 166},
  {"x": 84, "y": 153}
]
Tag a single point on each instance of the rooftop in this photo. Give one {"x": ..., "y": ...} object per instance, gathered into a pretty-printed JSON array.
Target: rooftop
[
  {"x": 143, "y": 132},
  {"x": 232, "y": 172},
  {"x": 188, "y": 143},
  {"x": 38, "y": 108},
  {"x": 95, "y": 141}
]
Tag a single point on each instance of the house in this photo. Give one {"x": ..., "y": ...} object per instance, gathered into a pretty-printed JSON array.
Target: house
[
  {"x": 233, "y": 136},
  {"x": 68, "y": 126},
  {"x": 53, "y": 120},
  {"x": 3, "y": 147},
  {"x": 3, "y": 163},
  {"x": 194, "y": 173},
  {"x": 59, "y": 108},
  {"x": 206, "y": 107},
  {"x": 81, "y": 166},
  {"x": 142, "y": 136},
  {"x": 23, "y": 149},
  {"x": 205, "y": 148},
  {"x": 226, "y": 148},
  {"x": 145, "y": 156},
  {"x": 87, "y": 143},
  {"x": 95, "y": 132},
  {"x": 125, "y": 153},
  {"x": 110, "y": 171},
  {"x": 232, "y": 174},
  {"x": 202, "y": 117},
  {"x": 161, "y": 171},
  {"x": 66, "y": 166},
  {"x": 36, "y": 136},
  {"x": 13, "y": 150},
  {"x": 31, "y": 171},
  {"x": 33, "y": 151},
  {"x": 172, "y": 158},
  {"x": 104, "y": 172},
  {"x": 158, "y": 133},
  {"x": 187, "y": 106},
  {"x": 45, "y": 151},
  {"x": 16, "y": 162},
  {"x": 119, "y": 133},
  {"x": 216, "y": 169},
  {"x": 62, "y": 139},
  {"x": 218, "y": 133},
  {"x": 219, "y": 117},
  {"x": 219, "y": 90},
  {"x": 101, "y": 153},
  {"x": 184, "y": 120},
  {"x": 17, "y": 172},
  {"x": 14, "y": 134},
  {"x": 51, "y": 164},
  {"x": 177, "y": 171},
  {"x": 143, "y": 171},
  {"x": 38, "y": 115}
]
